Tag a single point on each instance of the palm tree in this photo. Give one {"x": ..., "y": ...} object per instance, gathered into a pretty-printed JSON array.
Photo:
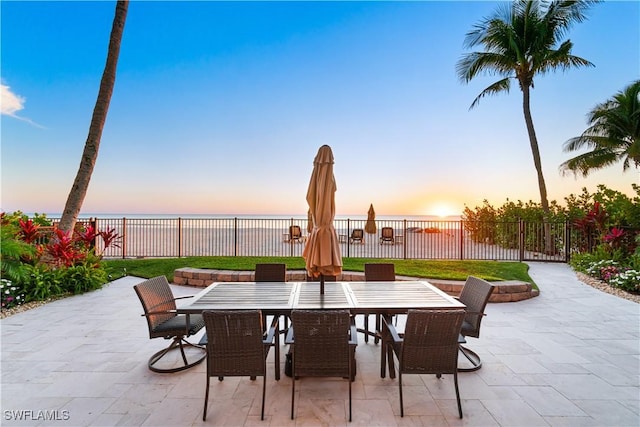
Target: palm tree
[
  {"x": 91, "y": 146},
  {"x": 613, "y": 134},
  {"x": 520, "y": 41}
]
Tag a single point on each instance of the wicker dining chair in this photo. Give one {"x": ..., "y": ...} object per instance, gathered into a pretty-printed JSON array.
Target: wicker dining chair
[
  {"x": 429, "y": 345},
  {"x": 237, "y": 345},
  {"x": 376, "y": 272},
  {"x": 475, "y": 296},
  {"x": 159, "y": 306},
  {"x": 272, "y": 272},
  {"x": 323, "y": 344}
]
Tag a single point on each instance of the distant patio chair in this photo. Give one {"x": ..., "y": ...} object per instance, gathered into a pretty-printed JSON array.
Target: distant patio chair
[
  {"x": 386, "y": 235},
  {"x": 294, "y": 235},
  {"x": 159, "y": 306},
  {"x": 357, "y": 235}
]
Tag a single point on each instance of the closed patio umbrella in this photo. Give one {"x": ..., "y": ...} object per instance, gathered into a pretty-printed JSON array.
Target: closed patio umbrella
[
  {"x": 322, "y": 252},
  {"x": 309, "y": 222},
  {"x": 370, "y": 226}
]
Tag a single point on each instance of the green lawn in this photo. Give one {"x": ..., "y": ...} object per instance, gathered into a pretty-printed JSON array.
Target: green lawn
[{"x": 429, "y": 269}]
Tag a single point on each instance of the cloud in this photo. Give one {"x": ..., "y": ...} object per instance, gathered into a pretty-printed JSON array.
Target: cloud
[{"x": 10, "y": 103}]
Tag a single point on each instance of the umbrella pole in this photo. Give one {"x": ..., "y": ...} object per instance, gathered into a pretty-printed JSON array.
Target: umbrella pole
[{"x": 321, "y": 284}]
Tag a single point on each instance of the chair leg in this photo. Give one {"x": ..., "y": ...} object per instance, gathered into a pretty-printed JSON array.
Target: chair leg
[
  {"x": 206, "y": 399},
  {"x": 264, "y": 390},
  {"x": 455, "y": 380},
  {"x": 400, "y": 388},
  {"x": 293, "y": 391},
  {"x": 366, "y": 327},
  {"x": 350, "y": 379},
  {"x": 177, "y": 343},
  {"x": 472, "y": 357}
]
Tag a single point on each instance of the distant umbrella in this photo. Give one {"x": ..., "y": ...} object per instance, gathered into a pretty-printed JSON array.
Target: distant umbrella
[
  {"x": 370, "y": 226},
  {"x": 322, "y": 252}
]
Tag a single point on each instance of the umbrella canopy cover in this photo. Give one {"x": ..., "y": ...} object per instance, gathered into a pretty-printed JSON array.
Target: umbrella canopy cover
[
  {"x": 370, "y": 226},
  {"x": 322, "y": 252}
]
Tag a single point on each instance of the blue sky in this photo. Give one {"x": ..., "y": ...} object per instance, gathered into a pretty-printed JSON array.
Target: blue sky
[{"x": 220, "y": 107}]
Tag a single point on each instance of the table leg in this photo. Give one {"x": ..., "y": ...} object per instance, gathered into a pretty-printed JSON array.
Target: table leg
[{"x": 277, "y": 355}]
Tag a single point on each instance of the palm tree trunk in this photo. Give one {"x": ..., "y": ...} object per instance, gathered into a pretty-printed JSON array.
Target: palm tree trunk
[
  {"x": 92, "y": 144},
  {"x": 549, "y": 247},
  {"x": 533, "y": 140}
]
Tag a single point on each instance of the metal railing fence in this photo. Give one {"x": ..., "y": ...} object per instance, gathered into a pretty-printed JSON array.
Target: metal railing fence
[{"x": 410, "y": 239}]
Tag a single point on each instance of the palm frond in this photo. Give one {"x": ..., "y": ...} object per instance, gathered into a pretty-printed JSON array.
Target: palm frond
[{"x": 497, "y": 87}]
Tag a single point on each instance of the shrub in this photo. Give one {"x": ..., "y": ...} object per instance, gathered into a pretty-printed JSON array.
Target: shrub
[
  {"x": 84, "y": 277},
  {"x": 628, "y": 280},
  {"x": 10, "y": 295},
  {"x": 42, "y": 282},
  {"x": 46, "y": 265}
]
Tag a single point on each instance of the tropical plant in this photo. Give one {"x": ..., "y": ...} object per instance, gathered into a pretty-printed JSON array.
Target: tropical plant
[
  {"x": 13, "y": 251},
  {"x": 90, "y": 154},
  {"x": 522, "y": 40},
  {"x": 613, "y": 135},
  {"x": 10, "y": 295}
]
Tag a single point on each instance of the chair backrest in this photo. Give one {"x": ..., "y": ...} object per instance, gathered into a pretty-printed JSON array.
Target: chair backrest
[
  {"x": 387, "y": 232},
  {"x": 475, "y": 296},
  {"x": 156, "y": 296},
  {"x": 379, "y": 272},
  {"x": 321, "y": 343},
  {"x": 357, "y": 233},
  {"x": 235, "y": 343},
  {"x": 271, "y": 273},
  {"x": 430, "y": 342},
  {"x": 295, "y": 232}
]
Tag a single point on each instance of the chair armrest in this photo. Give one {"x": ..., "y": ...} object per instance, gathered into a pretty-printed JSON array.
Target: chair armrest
[
  {"x": 273, "y": 330},
  {"x": 289, "y": 339},
  {"x": 476, "y": 313},
  {"x": 173, "y": 299},
  {"x": 395, "y": 336},
  {"x": 158, "y": 312}
]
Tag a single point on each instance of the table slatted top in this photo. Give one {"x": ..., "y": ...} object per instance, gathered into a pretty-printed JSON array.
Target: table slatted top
[
  {"x": 282, "y": 297},
  {"x": 399, "y": 295},
  {"x": 336, "y": 296},
  {"x": 268, "y": 296}
]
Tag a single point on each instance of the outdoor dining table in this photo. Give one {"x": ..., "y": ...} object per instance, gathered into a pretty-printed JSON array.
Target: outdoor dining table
[{"x": 280, "y": 298}]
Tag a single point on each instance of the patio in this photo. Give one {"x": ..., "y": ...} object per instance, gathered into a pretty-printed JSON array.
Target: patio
[{"x": 569, "y": 357}]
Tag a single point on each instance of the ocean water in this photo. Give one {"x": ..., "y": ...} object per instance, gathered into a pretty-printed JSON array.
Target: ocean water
[{"x": 255, "y": 216}]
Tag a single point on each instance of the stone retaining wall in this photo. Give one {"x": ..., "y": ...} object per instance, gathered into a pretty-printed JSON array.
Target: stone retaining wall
[{"x": 507, "y": 291}]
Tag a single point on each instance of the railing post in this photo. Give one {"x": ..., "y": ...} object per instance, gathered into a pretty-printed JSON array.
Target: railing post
[
  {"x": 290, "y": 239},
  {"x": 124, "y": 237},
  {"x": 93, "y": 224},
  {"x": 179, "y": 237},
  {"x": 348, "y": 234},
  {"x": 567, "y": 241},
  {"x": 520, "y": 240},
  {"x": 461, "y": 240},
  {"x": 235, "y": 236},
  {"x": 404, "y": 239}
]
